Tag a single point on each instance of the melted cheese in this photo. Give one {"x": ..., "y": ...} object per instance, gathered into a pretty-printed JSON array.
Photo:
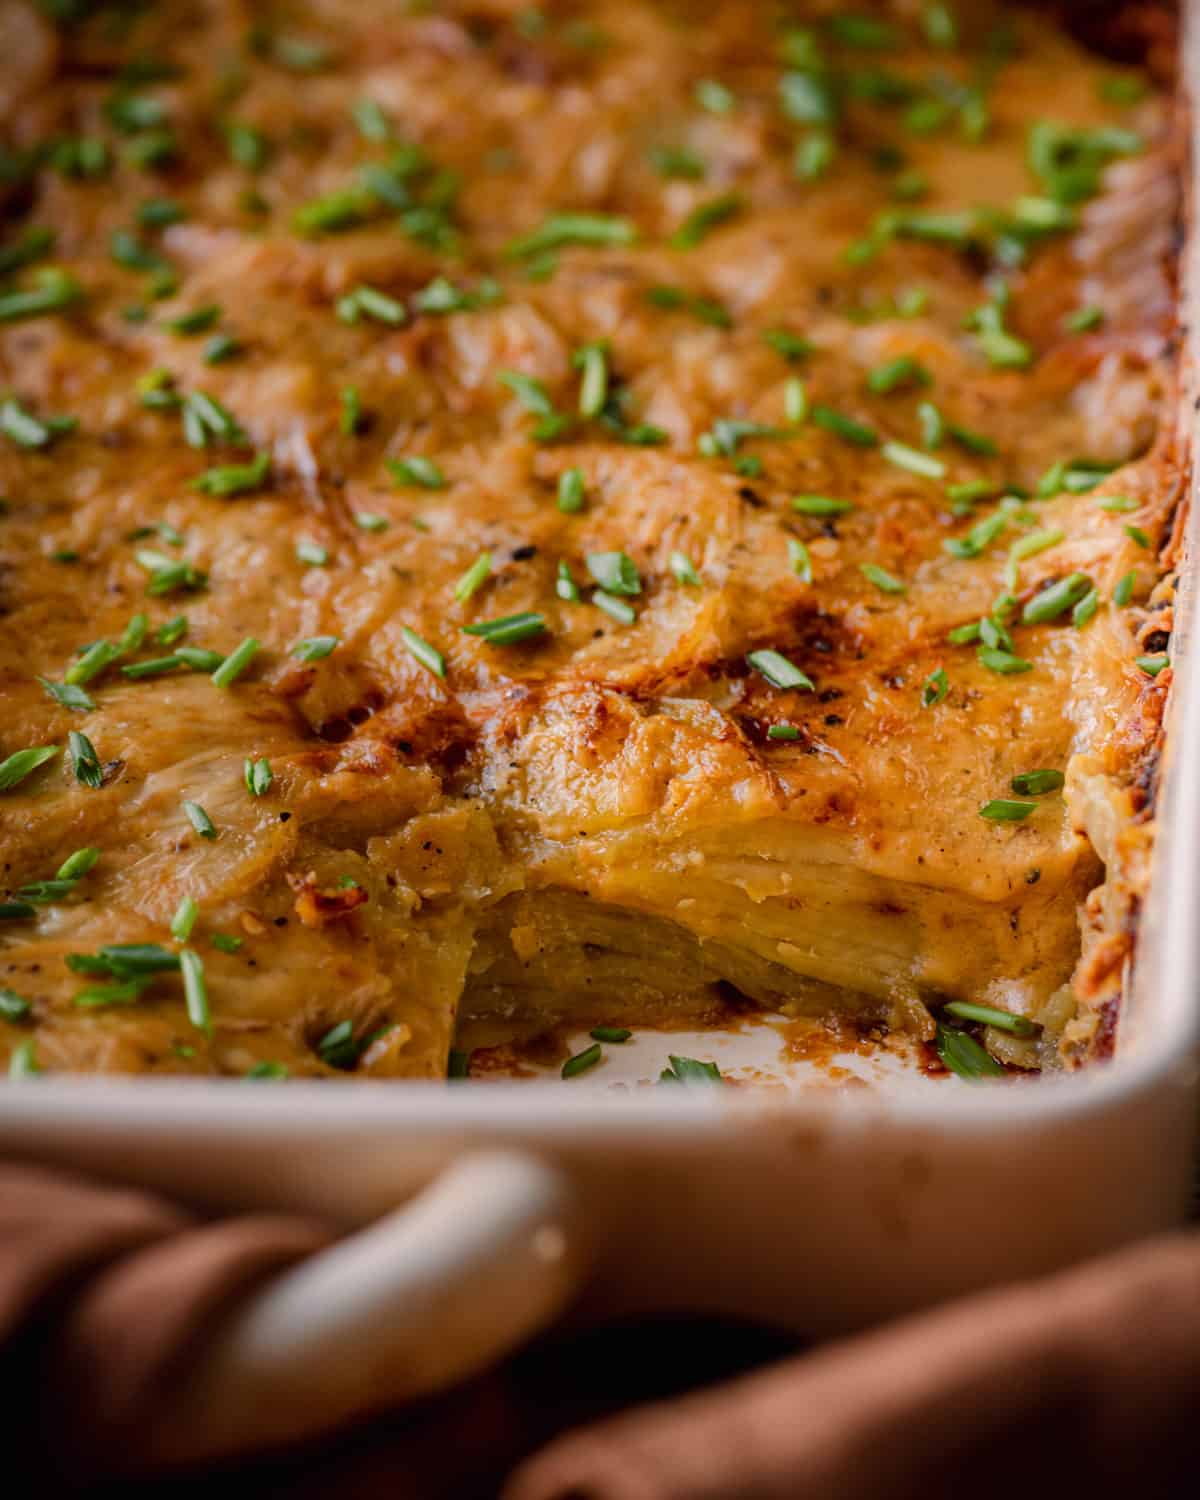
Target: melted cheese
[{"x": 593, "y": 822}]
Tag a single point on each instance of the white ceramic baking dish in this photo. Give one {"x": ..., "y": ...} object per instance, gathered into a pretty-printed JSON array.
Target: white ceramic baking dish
[{"x": 489, "y": 1208}]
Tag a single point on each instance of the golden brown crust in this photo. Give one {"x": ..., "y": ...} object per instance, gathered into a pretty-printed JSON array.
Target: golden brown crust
[{"x": 631, "y": 765}]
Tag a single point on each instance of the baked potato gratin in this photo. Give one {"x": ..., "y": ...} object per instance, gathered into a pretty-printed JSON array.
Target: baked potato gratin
[{"x": 604, "y": 513}]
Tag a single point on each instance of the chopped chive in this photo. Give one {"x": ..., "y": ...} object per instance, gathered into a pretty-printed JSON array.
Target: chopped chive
[
  {"x": 913, "y": 460},
  {"x": 42, "y": 891},
  {"x": 934, "y": 688},
  {"x": 973, "y": 442},
  {"x": 312, "y": 554},
  {"x": 789, "y": 344},
  {"x": 223, "y": 942},
  {"x": 371, "y": 120},
  {"x": 315, "y": 648},
  {"x": 155, "y": 667},
  {"x": 1035, "y": 783},
  {"x": 367, "y": 520},
  {"x": 1123, "y": 592},
  {"x": 962, "y": 1054},
  {"x": 84, "y": 760},
  {"x": 1118, "y": 504},
  {"x": 614, "y": 572},
  {"x": 24, "y": 1063},
  {"x": 571, "y": 491},
  {"x": 1085, "y": 609},
  {"x": 257, "y": 775},
  {"x": 795, "y": 400},
  {"x": 939, "y": 24},
  {"x": 782, "y": 732},
  {"x": 714, "y": 97},
  {"x": 573, "y": 229},
  {"x": 199, "y": 320},
  {"x": 683, "y": 570},
  {"x": 1054, "y": 601},
  {"x": 704, "y": 219},
  {"x": 689, "y": 1070},
  {"x": 884, "y": 581},
  {"x": 199, "y": 820},
  {"x": 582, "y": 1061},
  {"x": 1006, "y": 663},
  {"x": 820, "y": 505},
  {"x": 236, "y": 663},
  {"x": 265, "y": 1071},
  {"x": 429, "y": 656},
  {"x": 1006, "y": 810},
  {"x": 14, "y": 1007},
  {"x": 174, "y": 630},
  {"x": 988, "y": 1015},
  {"x": 565, "y": 586},
  {"x": 220, "y": 347},
  {"x": 1153, "y": 665},
  {"x": 799, "y": 559},
  {"x": 979, "y": 538},
  {"x": 614, "y": 1034},
  {"x": 508, "y": 630},
  {"x": 896, "y": 375},
  {"x": 67, "y": 695},
  {"x": 417, "y": 471},
  {"x": 1136, "y": 534},
  {"x": 98, "y": 656},
  {"x": 351, "y": 419},
  {"x": 616, "y": 609},
  {"x": 77, "y": 865},
  {"x": 195, "y": 990},
  {"x": 779, "y": 671},
  {"x": 933, "y": 424},
  {"x": 234, "y": 479},
  {"x": 184, "y": 919},
  {"x": 54, "y": 291},
  {"x": 338, "y": 1048},
  {"x": 592, "y": 360},
  {"x": 134, "y": 634},
  {"x": 529, "y": 391},
  {"x": 1123, "y": 88},
  {"x": 844, "y": 427},
  {"x": 475, "y": 577},
  {"x": 16, "y": 911},
  {"x": 199, "y": 658},
  {"x": 963, "y": 496},
  {"x": 677, "y": 161},
  {"x": 1084, "y": 319}
]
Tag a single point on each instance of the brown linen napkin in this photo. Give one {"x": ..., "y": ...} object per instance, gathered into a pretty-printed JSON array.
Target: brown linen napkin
[{"x": 1089, "y": 1381}]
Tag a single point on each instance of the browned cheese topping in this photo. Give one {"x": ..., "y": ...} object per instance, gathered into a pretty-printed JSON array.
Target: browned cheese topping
[{"x": 516, "y": 514}]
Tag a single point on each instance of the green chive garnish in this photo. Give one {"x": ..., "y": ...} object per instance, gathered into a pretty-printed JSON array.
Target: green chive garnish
[
  {"x": 429, "y": 656},
  {"x": 224, "y": 943},
  {"x": 582, "y": 1061},
  {"x": 84, "y": 760},
  {"x": 614, "y": 1034},
  {"x": 21, "y": 763},
  {"x": 257, "y": 775},
  {"x": 779, "y": 671},
  {"x": 704, "y": 219},
  {"x": 782, "y": 732},
  {"x": 963, "y": 1055},
  {"x": 184, "y": 919},
  {"x": 799, "y": 559},
  {"x": 934, "y": 688},
  {"x": 1153, "y": 665},
  {"x": 592, "y": 359},
  {"x": 236, "y": 663},
  {"x": 683, "y": 569},
  {"x": 417, "y": 470},
  {"x": 234, "y": 479},
  {"x": 1035, "y": 783},
  {"x": 312, "y": 554},
  {"x": 508, "y": 630},
  {"x": 23, "y": 1063},
  {"x": 988, "y": 1015},
  {"x": 571, "y": 491},
  {"x": 885, "y": 582},
  {"x": 789, "y": 344},
  {"x": 614, "y": 572},
  {"x": 913, "y": 460},
  {"x": 795, "y": 400},
  {"x": 616, "y": 609},
  {"x": 14, "y": 1007},
  {"x": 1085, "y": 609},
  {"x": 1006, "y": 810},
  {"x": 1056, "y": 600},
  {"x": 573, "y": 229},
  {"x": 996, "y": 659},
  {"x": 844, "y": 427},
  {"x": 475, "y": 577},
  {"x": 367, "y": 520},
  {"x": 68, "y": 696},
  {"x": 199, "y": 820},
  {"x": 195, "y": 991},
  {"x": 689, "y": 1070},
  {"x": 896, "y": 375},
  {"x": 820, "y": 505},
  {"x": 1123, "y": 592}
]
